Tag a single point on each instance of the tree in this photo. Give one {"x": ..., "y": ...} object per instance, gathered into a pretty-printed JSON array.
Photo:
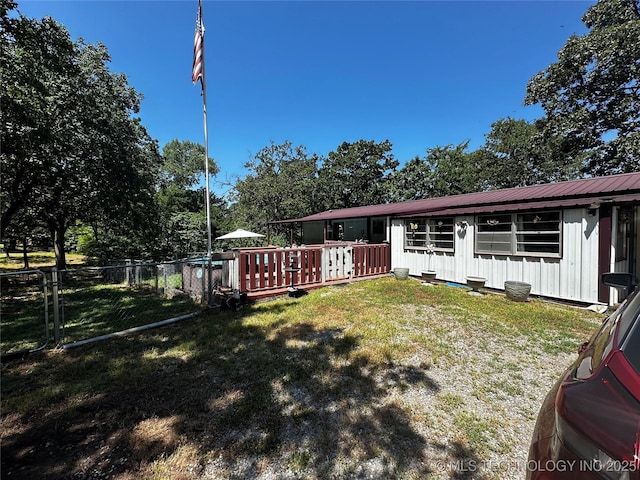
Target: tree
[
  {"x": 183, "y": 164},
  {"x": 280, "y": 185},
  {"x": 25, "y": 229},
  {"x": 453, "y": 170},
  {"x": 32, "y": 53},
  {"x": 591, "y": 95},
  {"x": 515, "y": 155},
  {"x": 356, "y": 174},
  {"x": 411, "y": 182},
  {"x": 72, "y": 149},
  {"x": 182, "y": 212}
]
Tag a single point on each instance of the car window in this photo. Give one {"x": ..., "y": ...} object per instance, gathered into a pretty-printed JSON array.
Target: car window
[
  {"x": 629, "y": 336},
  {"x": 628, "y": 313},
  {"x": 598, "y": 348},
  {"x": 622, "y": 330}
]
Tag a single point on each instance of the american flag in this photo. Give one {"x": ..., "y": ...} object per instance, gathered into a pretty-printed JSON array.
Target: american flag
[{"x": 196, "y": 72}]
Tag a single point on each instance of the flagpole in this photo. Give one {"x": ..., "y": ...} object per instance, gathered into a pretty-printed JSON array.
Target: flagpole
[
  {"x": 206, "y": 183},
  {"x": 206, "y": 156}
]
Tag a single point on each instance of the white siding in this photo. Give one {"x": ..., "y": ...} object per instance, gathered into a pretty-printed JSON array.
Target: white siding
[{"x": 572, "y": 277}]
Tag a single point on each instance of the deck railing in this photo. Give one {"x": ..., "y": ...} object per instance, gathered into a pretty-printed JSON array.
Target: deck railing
[{"x": 277, "y": 268}]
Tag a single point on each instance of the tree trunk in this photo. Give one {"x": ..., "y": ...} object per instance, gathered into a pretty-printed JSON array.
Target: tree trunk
[
  {"x": 25, "y": 256},
  {"x": 58, "y": 245},
  {"x": 10, "y": 246}
]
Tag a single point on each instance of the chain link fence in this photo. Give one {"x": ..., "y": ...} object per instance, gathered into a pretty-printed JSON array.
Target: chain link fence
[
  {"x": 24, "y": 312},
  {"x": 100, "y": 301},
  {"x": 72, "y": 306}
]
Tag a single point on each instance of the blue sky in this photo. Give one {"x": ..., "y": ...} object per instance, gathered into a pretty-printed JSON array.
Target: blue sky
[{"x": 419, "y": 73}]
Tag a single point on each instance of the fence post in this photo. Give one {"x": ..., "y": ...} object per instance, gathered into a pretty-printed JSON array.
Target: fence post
[
  {"x": 56, "y": 305},
  {"x": 165, "y": 289},
  {"x": 203, "y": 299},
  {"x": 236, "y": 276},
  {"x": 46, "y": 307},
  {"x": 324, "y": 260},
  {"x": 209, "y": 281},
  {"x": 128, "y": 271}
]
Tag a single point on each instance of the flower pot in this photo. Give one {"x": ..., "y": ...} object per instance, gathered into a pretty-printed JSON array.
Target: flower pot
[
  {"x": 428, "y": 275},
  {"x": 401, "y": 273},
  {"x": 517, "y": 291},
  {"x": 476, "y": 283}
]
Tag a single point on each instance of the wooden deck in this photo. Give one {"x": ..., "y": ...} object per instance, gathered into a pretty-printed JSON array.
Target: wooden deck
[
  {"x": 284, "y": 292},
  {"x": 272, "y": 271}
]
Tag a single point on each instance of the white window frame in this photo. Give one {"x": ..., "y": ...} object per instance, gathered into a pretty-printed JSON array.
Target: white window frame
[
  {"x": 422, "y": 229},
  {"x": 512, "y": 238}
]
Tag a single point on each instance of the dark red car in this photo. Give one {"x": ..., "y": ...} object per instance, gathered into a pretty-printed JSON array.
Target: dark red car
[{"x": 589, "y": 424}]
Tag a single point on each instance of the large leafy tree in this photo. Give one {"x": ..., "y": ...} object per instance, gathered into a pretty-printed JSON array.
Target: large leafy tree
[
  {"x": 591, "y": 95},
  {"x": 33, "y": 54},
  {"x": 181, "y": 199},
  {"x": 72, "y": 148},
  {"x": 280, "y": 185},
  {"x": 453, "y": 170},
  {"x": 183, "y": 164},
  {"x": 411, "y": 182},
  {"x": 515, "y": 155},
  {"x": 356, "y": 174}
]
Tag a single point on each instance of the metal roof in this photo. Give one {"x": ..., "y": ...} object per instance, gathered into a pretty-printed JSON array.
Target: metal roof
[
  {"x": 619, "y": 188},
  {"x": 535, "y": 205}
]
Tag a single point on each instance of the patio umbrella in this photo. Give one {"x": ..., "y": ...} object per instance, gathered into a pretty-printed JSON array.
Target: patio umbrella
[{"x": 239, "y": 233}]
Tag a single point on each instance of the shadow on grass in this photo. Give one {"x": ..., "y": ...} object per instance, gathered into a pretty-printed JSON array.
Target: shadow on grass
[
  {"x": 22, "y": 312},
  {"x": 464, "y": 464},
  {"x": 91, "y": 305},
  {"x": 98, "y": 311},
  {"x": 215, "y": 397}
]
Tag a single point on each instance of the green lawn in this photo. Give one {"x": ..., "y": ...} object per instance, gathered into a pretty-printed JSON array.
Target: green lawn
[
  {"x": 384, "y": 378},
  {"x": 90, "y": 307},
  {"x": 92, "y": 302},
  {"x": 38, "y": 260}
]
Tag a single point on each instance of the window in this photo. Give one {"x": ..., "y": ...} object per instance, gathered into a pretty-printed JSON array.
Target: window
[
  {"x": 530, "y": 233},
  {"x": 493, "y": 234},
  {"x": 421, "y": 233},
  {"x": 441, "y": 233},
  {"x": 416, "y": 233},
  {"x": 623, "y": 233},
  {"x": 538, "y": 233},
  {"x": 377, "y": 226}
]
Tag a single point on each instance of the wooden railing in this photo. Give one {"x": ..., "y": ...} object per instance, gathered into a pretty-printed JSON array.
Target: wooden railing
[
  {"x": 371, "y": 259},
  {"x": 269, "y": 268}
]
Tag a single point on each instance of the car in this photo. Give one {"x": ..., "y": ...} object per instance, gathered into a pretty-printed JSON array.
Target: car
[{"x": 589, "y": 424}]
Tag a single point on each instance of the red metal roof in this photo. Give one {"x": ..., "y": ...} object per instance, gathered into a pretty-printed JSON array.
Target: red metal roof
[
  {"x": 619, "y": 188},
  {"x": 513, "y": 207}
]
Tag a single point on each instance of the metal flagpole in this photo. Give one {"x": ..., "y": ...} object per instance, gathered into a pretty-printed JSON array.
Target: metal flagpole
[
  {"x": 206, "y": 156},
  {"x": 206, "y": 176}
]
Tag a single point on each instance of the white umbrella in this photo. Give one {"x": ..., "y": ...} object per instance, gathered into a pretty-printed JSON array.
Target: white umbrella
[{"x": 239, "y": 233}]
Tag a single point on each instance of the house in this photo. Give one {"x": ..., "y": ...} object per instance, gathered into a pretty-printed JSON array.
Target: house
[{"x": 559, "y": 237}]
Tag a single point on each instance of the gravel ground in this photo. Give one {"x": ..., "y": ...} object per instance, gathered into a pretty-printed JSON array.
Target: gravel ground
[{"x": 469, "y": 413}]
